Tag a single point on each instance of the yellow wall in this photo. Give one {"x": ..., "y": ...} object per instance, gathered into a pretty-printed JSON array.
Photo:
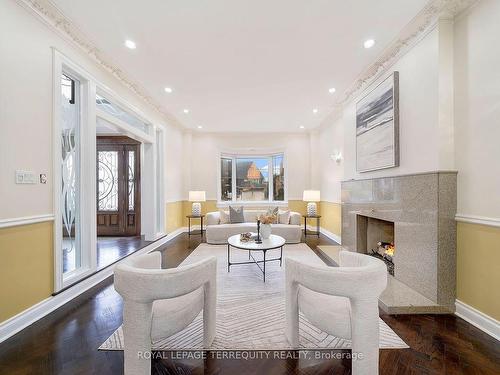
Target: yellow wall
[
  {"x": 26, "y": 267},
  {"x": 331, "y": 217},
  {"x": 174, "y": 219},
  {"x": 298, "y": 206},
  {"x": 478, "y": 267}
]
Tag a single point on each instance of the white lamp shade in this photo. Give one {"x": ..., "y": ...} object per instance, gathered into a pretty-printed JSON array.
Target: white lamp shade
[
  {"x": 197, "y": 196},
  {"x": 311, "y": 196}
]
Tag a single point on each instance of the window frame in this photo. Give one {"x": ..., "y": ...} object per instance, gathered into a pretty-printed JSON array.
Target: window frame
[{"x": 246, "y": 155}]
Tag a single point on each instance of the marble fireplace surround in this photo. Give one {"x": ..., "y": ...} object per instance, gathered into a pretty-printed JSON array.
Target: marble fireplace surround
[{"x": 422, "y": 208}]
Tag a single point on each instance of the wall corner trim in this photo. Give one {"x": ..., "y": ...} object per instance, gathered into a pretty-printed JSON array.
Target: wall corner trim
[
  {"x": 478, "y": 319},
  {"x": 29, "y": 316},
  {"x": 482, "y": 220},
  {"x": 25, "y": 220}
]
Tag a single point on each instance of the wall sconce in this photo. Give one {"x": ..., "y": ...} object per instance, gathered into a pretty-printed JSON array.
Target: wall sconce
[{"x": 336, "y": 156}]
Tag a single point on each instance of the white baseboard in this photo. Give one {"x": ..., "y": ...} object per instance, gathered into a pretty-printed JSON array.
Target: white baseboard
[
  {"x": 478, "y": 319},
  {"x": 331, "y": 235},
  {"x": 326, "y": 233},
  {"x": 27, "y": 317}
]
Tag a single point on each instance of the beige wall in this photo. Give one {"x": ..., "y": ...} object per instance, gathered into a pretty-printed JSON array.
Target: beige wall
[
  {"x": 206, "y": 148},
  {"x": 26, "y": 135},
  {"x": 419, "y": 149},
  {"x": 26, "y": 267},
  {"x": 477, "y": 110}
]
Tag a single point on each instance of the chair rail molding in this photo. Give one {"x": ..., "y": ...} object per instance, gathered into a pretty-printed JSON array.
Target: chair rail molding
[
  {"x": 482, "y": 220},
  {"x": 25, "y": 220},
  {"x": 53, "y": 17}
]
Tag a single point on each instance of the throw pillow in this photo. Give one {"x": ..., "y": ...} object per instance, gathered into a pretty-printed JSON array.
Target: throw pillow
[
  {"x": 273, "y": 212},
  {"x": 284, "y": 217},
  {"x": 224, "y": 217},
  {"x": 236, "y": 215}
]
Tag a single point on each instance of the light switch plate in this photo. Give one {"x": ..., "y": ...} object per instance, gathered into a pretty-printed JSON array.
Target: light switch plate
[{"x": 25, "y": 177}]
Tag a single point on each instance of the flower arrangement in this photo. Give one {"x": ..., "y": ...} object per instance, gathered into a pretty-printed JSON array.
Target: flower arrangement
[{"x": 267, "y": 219}]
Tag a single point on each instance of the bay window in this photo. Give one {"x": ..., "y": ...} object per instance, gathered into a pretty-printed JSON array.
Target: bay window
[{"x": 252, "y": 178}]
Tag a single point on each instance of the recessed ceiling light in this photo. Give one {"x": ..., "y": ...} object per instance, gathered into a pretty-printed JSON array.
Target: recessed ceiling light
[
  {"x": 315, "y": 110},
  {"x": 331, "y": 90},
  {"x": 369, "y": 43},
  {"x": 200, "y": 127},
  {"x": 302, "y": 127},
  {"x": 168, "y": 90},
  {"x": 185, "y": 110},
  {"x": 130, "y": 44}
]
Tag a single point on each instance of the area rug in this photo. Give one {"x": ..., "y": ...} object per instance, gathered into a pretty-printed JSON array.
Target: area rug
[{"x": 251, "y": 313}]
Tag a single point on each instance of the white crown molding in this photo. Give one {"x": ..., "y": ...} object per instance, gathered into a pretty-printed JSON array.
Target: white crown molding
[
  {"x": 482, "y": 220},
  {"x": 50, "y": 15},
  {"x": 25, "y": 220},
  {"x": 478, "y": 319},
  {"x": 411, "y": 34}
]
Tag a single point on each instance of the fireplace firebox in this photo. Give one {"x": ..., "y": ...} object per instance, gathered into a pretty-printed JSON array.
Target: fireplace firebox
[{"x": 376, "y": 238}]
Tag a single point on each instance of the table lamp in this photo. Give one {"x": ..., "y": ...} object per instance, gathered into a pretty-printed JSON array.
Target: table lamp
[
  {"x": 196, "y": 197},
  {"x": 311, "y": 196}
]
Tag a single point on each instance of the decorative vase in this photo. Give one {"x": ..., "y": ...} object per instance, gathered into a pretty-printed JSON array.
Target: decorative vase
[
  {"x": 196, "y": 209},
  {"x": 265, "y": 231},
  {"x": 311, "y": 209}
]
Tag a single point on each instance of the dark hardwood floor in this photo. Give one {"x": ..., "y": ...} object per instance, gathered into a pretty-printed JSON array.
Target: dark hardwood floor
[
  {"x": 112, "y": 249},
  {"x": 66, "y": 341},
  {"x": 109, "y": 250}
]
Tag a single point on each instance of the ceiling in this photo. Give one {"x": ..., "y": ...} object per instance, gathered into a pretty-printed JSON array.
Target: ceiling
[{"x": 242, "y": 65}]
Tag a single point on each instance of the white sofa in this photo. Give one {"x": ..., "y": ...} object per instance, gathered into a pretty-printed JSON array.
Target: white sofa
[{"x": 217, "y": 233}]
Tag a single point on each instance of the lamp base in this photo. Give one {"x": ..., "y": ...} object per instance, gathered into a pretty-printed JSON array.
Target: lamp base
[
  {"x": 196, "y": 209},
  {"x": 312, "y": 209}
]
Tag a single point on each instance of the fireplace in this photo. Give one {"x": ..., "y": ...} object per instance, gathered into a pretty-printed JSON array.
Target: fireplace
[
  {"x": 376, "y": 238},
  {"x": 416, "y": 213}
]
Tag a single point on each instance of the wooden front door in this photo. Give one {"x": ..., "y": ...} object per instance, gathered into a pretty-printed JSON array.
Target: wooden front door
[{"x": 118, "y": 187}]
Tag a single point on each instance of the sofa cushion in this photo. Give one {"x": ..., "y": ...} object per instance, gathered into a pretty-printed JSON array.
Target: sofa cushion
[
  {"x": 283, "y": 217},
  {"x": 236, "y": 215},
  {"x": 295, "y": 218},
  {"x": 252, "y": 215},
  {"x": 224, "y": 217}
]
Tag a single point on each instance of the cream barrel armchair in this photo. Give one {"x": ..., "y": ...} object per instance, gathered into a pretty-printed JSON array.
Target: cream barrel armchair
[
  {"x": 341, "y": 301},
  {"x": 161, "y": 302}
]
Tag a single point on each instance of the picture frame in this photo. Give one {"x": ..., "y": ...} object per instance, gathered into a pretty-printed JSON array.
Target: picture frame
[{"x": 377, "y": 127}]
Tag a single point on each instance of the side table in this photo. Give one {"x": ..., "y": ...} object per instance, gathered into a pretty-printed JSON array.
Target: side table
[
  {"x": 201, "y": 224},
  {"x": 317, "y": 217}
]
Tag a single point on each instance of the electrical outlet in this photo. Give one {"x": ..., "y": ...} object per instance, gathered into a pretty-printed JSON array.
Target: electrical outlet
[{"x": 43, "y": 178}]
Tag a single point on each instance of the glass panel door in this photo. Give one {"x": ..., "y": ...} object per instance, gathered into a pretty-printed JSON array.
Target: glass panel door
[
  {"x": 118, "y": 187},
  {"x": 70, "y": 174}
]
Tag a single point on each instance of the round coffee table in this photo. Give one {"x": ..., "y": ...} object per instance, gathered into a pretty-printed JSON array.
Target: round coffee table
[{"x": 273, "y": 242}]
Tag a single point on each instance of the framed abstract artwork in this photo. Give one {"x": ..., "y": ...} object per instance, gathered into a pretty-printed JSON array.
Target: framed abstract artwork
[{"x": 377, "y": 127}]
